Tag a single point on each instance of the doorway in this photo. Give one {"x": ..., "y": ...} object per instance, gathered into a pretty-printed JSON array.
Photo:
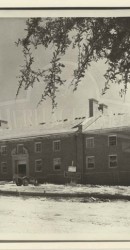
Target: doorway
[
  {"x": 22, "y": 169},
  {"x": 20, "y": 162}
]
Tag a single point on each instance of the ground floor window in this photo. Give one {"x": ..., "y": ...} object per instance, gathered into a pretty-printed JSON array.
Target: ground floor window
[
  {"x": 4, "y": 167},
  {"x": 38, "y": 165},
  {"x": 112, "y": 161},
  {"x": 57, "y": 163},
  {"x": 90, "y": 162}
]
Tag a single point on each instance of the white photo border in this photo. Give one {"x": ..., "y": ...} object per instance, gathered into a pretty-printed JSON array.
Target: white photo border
[{"x": 6, "y": 12}]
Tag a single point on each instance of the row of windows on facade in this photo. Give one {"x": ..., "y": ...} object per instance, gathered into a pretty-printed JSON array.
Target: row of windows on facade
[
  {"x": 38, "y": 165},
  {"x": 90, "y": 163},
  {"x": 112, "y": 161},
  {"x": 112, "y": 141},
  {"x": 38, "y": 147}
]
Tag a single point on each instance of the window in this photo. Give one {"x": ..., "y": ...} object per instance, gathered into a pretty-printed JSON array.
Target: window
[
  {"x": 38, "y": 147},
  {"x": 3, "y": 150},
  {"x": 3, "y": 167},
  {"x": 90, "y": 160},
  {"x": 57, "y": 164},
  {"x": 20, "y": 149},
  {"x": 112, "y": 140},
  {"x": 38, "y": 165},
  {"x": 56, "y": 145},
  {"x": 112, "y": 161},
  {"x": 90, "y": 142}
]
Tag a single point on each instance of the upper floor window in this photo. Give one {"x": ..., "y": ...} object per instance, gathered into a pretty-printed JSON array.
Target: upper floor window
[
  {"x": 90, "y": 142},
  {"x": 3, "y": 167},
  {"x": 4, "y": 150},
  {"x": 57, "y": 163},
  {"x": 56, "y": 145},
  {"x": 90, "y": 162},
  {"x": 20, "y": 149},
  {"x": 112, "y": 161},
  {"x": 38, "y": 147},
  {"x": 38, "y": 165},
  {"x": 112, "y": 140}
]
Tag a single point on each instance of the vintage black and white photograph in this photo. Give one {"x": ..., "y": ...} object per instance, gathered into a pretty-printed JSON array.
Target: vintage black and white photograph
[{"x": 65, "y": 126}]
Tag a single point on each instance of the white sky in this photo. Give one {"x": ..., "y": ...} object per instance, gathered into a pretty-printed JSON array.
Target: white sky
[{"x": 69, "y": 104}]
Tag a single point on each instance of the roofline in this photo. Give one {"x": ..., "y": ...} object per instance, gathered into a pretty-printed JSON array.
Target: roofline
[
  {"x": 36, "y": 136},
  {"x": 104, "y": 105},
  {"x": 106, "y": 129}
]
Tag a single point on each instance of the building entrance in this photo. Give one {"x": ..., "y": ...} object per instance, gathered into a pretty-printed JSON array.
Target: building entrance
[
  {"x": 20, "y": 163},
  {"x": 21, "y": 169}
]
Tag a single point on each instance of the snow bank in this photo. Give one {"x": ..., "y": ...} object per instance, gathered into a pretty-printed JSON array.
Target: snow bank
[{"x": 69, "y": 189}]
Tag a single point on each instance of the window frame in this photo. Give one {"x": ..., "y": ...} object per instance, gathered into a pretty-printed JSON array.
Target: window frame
[
  {"x": 2, "y": 172},
  {"x": 36, "y": 165},
  {"x": 57, "y": 150},
  {"x": 110, "y": 161},
  {"x": 40, "y": 143},
  {"x": 93, "y": 144},
  {"x": 4, "y": 146},
  {"x": 109, "y": 140},
  {"x": 54, "y": 159},
  {"x": 87, "y": 157}
]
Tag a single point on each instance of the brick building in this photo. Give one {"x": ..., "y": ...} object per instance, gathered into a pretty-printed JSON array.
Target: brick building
[
  {"x": 44, "y": 152},
  {"x": 97, "y": 147}
]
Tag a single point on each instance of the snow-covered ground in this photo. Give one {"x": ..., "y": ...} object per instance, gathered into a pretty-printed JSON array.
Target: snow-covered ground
[
  {"x": 68, "y": 219},
  {"x": 51, "y": 188}
]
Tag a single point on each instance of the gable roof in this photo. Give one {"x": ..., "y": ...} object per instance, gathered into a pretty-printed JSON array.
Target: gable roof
[
  {"x": 43, "y": 130},
  {"x": 92, "y": 124},
  {"x": 108, "y": 122}
]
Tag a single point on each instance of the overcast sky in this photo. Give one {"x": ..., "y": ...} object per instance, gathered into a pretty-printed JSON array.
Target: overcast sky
[{"x": 69, "y": 103}]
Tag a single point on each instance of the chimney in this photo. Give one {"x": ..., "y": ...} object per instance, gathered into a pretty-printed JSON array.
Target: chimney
[
  {"x": 3, "y": 124},
  {"x": 80, "y": 128},
  {"x": 103, "y": 108},
  {"x": 93, "y": 107}
]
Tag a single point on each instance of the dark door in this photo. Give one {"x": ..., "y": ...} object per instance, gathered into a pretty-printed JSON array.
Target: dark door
[{"x": 22, "y": 169}]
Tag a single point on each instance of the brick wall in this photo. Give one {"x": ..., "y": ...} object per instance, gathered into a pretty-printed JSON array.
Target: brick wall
[
  {"x": 103, "y": 173},
  {"x": 67, "y": 154},
  {"x": 73, "y": 149}
]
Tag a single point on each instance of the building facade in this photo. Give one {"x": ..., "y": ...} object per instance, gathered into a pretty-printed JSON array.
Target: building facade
[
  {"x": 97, "y": 147},
  {"x": 107, "y": 157}
]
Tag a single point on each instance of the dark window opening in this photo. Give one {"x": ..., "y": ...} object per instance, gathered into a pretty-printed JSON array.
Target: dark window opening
[
  {"x": 112, "y": 140},
  {"x": 90, "y": 162},
  {"x": 112, "y": 161},
  {"x": 57, "y": 167},
  {"x": 57, "y": 164}
]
